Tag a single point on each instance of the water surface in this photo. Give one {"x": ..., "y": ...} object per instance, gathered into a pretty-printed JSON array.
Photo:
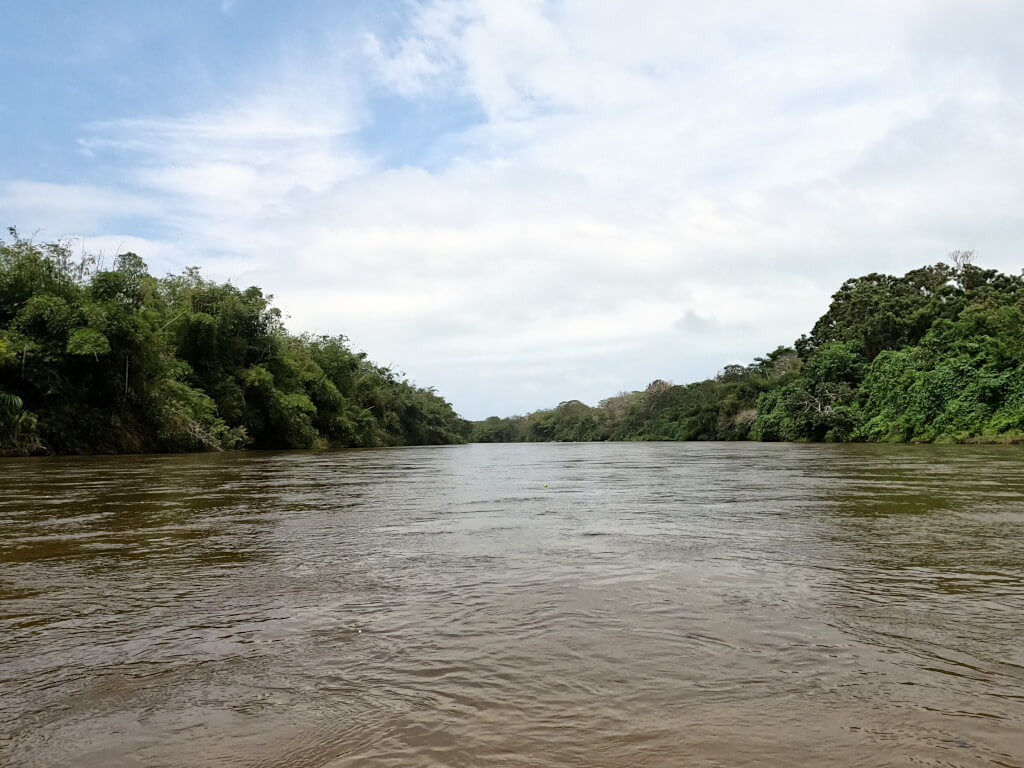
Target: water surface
[{"x": 588, "y": 605}]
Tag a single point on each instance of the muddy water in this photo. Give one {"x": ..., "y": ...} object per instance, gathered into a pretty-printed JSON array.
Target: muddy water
[{"x": 518, "y": 605}]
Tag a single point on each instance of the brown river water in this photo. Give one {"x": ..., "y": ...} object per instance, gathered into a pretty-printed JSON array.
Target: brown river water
[{"x": 637, "y": 604}]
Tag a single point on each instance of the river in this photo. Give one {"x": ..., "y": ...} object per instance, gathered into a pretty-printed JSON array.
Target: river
[{"x": 619, "y": 604}]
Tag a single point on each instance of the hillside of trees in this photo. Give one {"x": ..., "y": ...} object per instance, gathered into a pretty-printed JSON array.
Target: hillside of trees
[
  {"x": 97, "y": 359},
  {"x": 934, "y": 356}
]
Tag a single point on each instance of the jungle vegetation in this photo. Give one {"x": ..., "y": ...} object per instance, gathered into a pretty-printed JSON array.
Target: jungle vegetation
[
  {"x": 100, "y": 358},
  {"x": 936, "y": 355},
  {"x": 112, "y": 359}
]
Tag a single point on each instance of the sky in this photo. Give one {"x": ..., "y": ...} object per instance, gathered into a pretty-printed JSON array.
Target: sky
[{"x": 522, "y": 202}]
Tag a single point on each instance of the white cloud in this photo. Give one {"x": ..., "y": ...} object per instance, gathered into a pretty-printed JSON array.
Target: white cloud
[
  {"x": 56, "y": 210},
  {"x": 652, "y": 190}
]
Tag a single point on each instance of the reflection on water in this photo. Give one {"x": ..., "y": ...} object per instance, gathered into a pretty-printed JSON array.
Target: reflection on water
[{"x": 515, "y": 605}]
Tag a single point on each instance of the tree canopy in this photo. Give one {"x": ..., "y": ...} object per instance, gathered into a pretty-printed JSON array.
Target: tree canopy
[
  {"x": 113, "y": 359},
  {"x": 934, "y": 355},
  {"x": 116, "y": 360}
]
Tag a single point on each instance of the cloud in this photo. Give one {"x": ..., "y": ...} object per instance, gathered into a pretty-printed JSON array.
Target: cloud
[
  {"x": 637, "y": 192},
  {"x": 58, "y": 210}
]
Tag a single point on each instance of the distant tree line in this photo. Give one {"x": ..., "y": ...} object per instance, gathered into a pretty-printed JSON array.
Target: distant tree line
[
  {"x": 934, "y": 356},
  {"x": 113, "y": 359}
]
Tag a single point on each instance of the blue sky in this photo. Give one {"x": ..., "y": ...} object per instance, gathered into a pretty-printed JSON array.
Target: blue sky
[{"x": 522, "y": 202}]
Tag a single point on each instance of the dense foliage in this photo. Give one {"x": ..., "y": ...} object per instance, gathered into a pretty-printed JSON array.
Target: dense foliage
[
  {"x": 935, "y": 355},
  {"x": 116, "y": 360}
]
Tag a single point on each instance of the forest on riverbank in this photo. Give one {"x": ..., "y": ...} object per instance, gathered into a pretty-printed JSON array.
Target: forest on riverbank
[
  {"x": 98, "y": 359},
  {"x": 102, "y": 359},
  {"x": 934, "y": 356}
]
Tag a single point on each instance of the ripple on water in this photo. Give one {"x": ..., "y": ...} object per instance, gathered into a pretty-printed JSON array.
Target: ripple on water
[{"x": 515, "y": 605}]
